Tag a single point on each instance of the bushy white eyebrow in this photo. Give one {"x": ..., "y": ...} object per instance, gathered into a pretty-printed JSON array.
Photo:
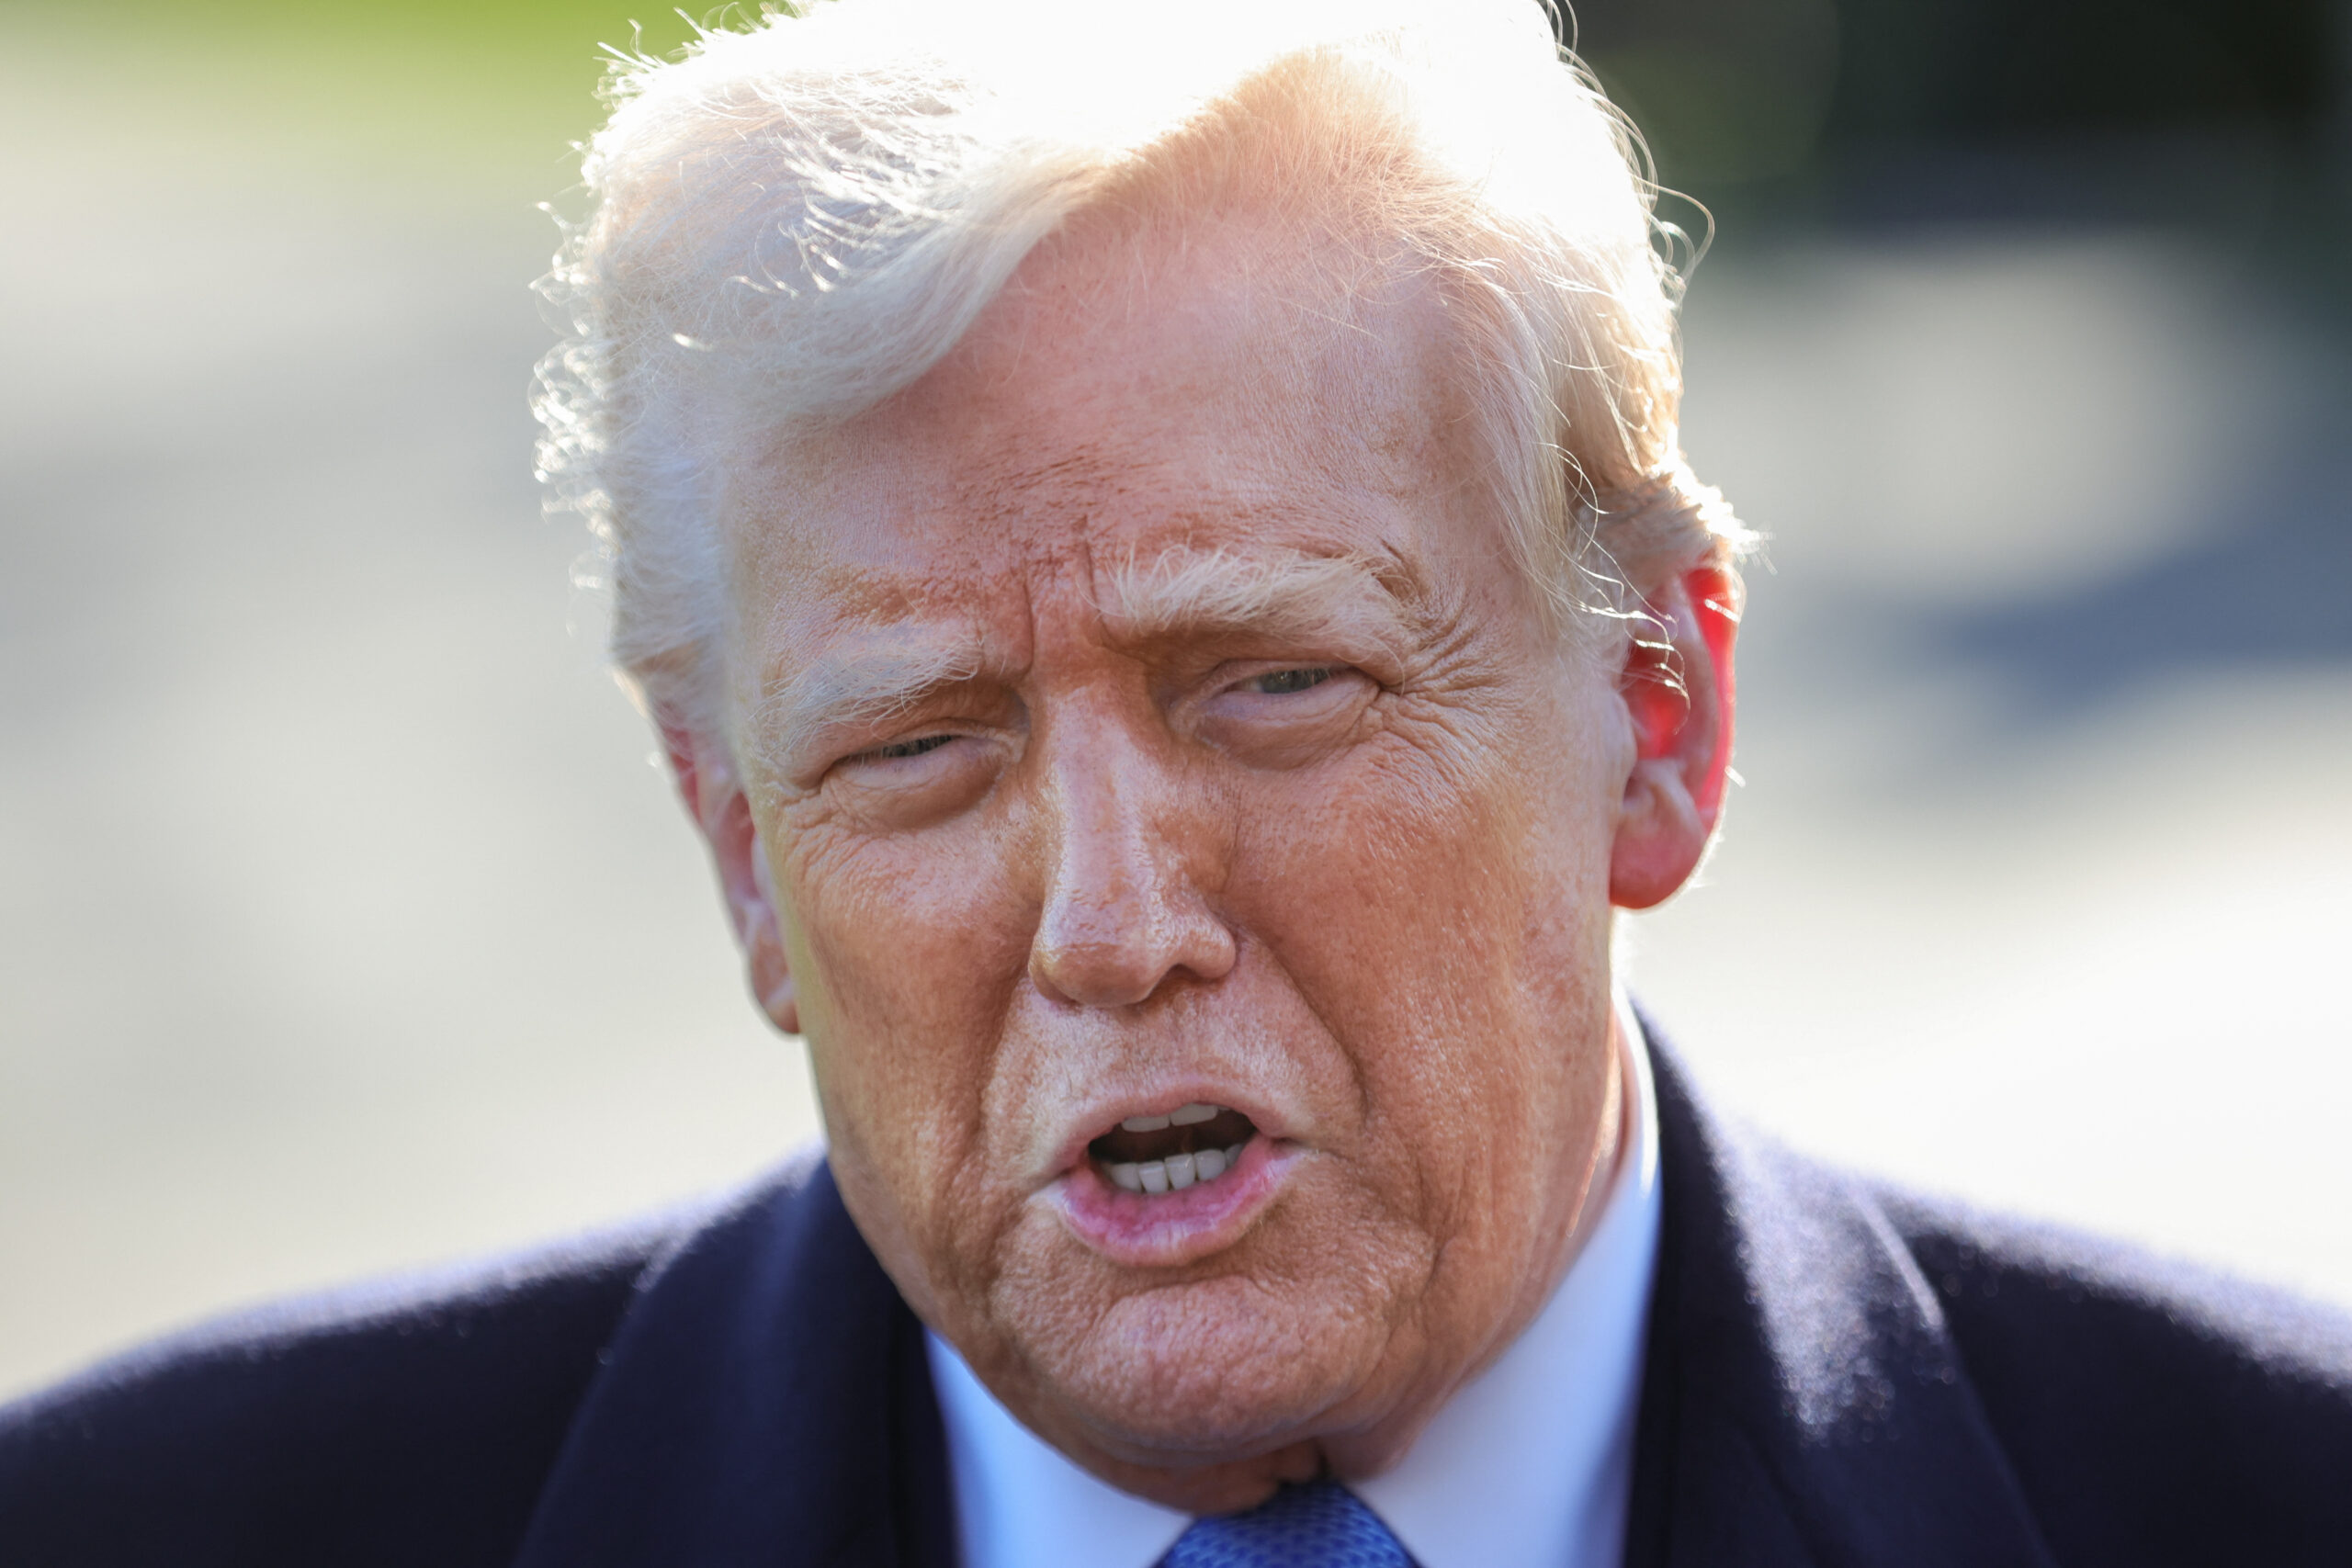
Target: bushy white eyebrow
[
  {"x": 1348, "y": 601},
  {"x": 861, "y": 685}
]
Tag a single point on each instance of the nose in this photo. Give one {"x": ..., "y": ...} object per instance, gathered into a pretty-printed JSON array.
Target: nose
[{"x": 1124, "y": 910}]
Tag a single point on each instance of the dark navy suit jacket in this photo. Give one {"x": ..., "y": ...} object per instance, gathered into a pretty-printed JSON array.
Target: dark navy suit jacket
[{"x": 1837, "y": 1376}]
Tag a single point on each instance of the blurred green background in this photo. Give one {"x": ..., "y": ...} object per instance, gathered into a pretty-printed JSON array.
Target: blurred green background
[
  {"x": 492, "y": 94},
  {"x": 344, "y": 925}
]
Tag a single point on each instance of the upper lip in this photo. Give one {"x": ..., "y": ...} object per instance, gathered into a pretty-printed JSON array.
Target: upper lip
[{"x": 1101, "y": 1117}]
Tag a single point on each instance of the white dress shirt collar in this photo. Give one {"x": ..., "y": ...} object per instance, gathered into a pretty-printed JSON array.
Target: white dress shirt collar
[{"x": 1530, "y": 1461}]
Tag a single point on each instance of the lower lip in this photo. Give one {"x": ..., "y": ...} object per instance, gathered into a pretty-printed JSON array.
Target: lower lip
[{"x": 1149, "y": 1230}]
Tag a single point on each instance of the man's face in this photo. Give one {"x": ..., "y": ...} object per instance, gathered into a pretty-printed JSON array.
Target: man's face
[{"x": 1142, "y": 712}]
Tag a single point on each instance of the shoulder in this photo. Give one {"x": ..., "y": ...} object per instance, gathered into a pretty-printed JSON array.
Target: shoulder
[
  {"x": 1906, "y": 1369},
  {"x": 2152, "y": 1411},
  {"x": 406, "y": 1422}
]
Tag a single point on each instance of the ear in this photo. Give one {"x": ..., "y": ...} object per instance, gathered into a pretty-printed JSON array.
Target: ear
[
  {"x": 1677, "y": 691},
  {"x": 714, "y": 797}
]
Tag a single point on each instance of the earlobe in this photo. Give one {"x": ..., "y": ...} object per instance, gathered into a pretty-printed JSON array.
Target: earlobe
[
  {"x": 772, "y": 980},
  {"x": 1677, "y": 690},
  {"x": 715, "y": 798}
]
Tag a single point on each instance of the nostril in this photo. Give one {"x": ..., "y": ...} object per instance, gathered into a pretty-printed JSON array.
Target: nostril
[
  {"x": 1115, "y": 936},
  {"x": 1096, "y": 974},
  {"x": 1127, "y": 975}
]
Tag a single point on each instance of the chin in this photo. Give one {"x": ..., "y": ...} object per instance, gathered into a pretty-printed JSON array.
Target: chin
[{"x": 1215, "y": 1370}]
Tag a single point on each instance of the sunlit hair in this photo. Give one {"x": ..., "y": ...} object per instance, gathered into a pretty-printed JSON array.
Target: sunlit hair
[{"x": 794, "y": 221}]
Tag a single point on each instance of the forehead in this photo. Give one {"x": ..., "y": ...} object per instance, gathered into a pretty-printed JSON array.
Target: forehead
[{"x": 1128, "y": 395}]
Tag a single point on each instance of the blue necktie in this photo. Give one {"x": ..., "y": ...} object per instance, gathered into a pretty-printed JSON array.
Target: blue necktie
[{"x": 1319, "y": 1524}]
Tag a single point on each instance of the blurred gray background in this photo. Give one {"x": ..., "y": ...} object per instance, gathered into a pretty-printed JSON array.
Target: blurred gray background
[{"x": 344, "y": 926}]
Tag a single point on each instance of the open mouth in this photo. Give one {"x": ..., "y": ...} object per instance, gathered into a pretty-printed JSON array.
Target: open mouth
[{"x": 1188, "y": 1146}]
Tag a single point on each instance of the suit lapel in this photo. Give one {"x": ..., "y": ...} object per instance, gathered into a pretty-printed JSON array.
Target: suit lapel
[
  {"x": 1802, "y": 1402},
  {"x": 766, "y": 1402}
]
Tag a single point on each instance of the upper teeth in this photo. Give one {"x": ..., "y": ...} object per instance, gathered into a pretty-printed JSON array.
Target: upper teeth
[{"x": 1182, "y": 1116}]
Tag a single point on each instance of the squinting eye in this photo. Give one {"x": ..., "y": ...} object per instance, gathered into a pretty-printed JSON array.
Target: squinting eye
[
  {"x": 1283, "y": 683},
  {"x": 897, "y": 749}
]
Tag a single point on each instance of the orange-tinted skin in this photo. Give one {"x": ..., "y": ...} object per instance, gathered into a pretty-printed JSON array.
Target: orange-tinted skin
[{"x": 1372, "y": 911}]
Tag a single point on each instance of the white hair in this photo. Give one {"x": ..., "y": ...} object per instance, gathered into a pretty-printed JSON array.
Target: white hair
[{"x": 794, "y": 221}]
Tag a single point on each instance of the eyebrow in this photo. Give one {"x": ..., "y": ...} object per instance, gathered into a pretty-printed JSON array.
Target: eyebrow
[
  {"x": 861, "y": 686},
  {"x": 1351, "y": 604},
  {"x": 1348, "y": 604}
]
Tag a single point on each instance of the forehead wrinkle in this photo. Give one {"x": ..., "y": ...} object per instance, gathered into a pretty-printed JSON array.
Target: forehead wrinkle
[{"x": 1005, "y": 488}]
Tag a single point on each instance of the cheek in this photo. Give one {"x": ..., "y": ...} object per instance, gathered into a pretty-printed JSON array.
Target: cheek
[
  {"x": 1443, "y": 908},
  {"x": 907, "y": 960},
  {"x": 889, "y": 934},
  {"x": 1465, "y": 855}
]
